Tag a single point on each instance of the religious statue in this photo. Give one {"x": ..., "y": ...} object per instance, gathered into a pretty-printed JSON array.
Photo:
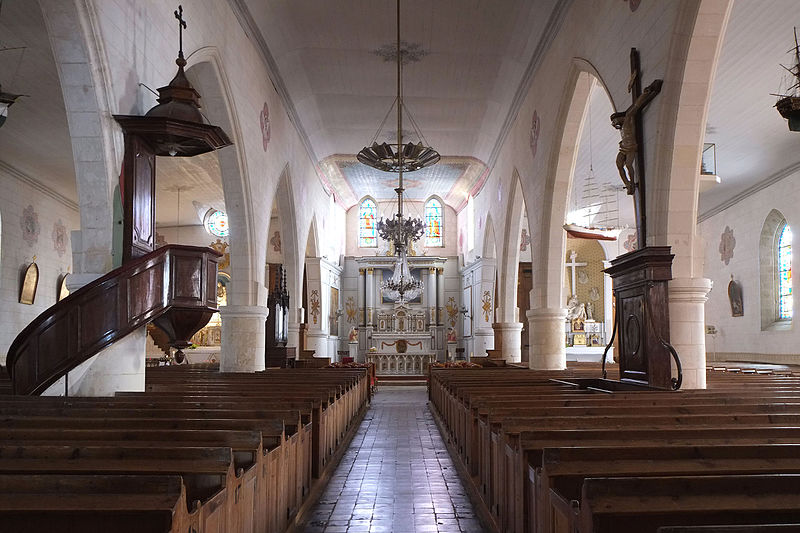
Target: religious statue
[
  {"x": 353, "y": 336},
  {"x": 575, "y": 309},
  {"x": 625, "y": 121},
  {"x": 589, "y": 311},
  {"x": 451, "y": 335}
]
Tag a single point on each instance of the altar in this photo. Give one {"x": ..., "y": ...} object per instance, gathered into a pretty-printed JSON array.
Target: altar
[{"x": 401, "y": 343}]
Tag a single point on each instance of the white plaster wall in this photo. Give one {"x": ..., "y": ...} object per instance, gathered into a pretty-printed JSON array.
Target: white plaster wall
[
  {"x": 741, "y": 338},
  {"x": 16, "y": 254}
]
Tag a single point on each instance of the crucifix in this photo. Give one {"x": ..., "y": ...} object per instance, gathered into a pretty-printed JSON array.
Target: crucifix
[
  {"x": 631, "y": 145},
  {"x": 181, "y": 27},
  {"x": 573, "y": 264}
]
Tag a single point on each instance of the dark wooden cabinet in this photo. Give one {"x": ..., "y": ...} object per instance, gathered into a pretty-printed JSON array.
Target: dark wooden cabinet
[{"x": 277, "y": 324}]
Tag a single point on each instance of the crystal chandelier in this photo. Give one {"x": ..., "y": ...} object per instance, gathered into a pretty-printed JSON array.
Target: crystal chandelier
[{"x": 399, "y": 230}]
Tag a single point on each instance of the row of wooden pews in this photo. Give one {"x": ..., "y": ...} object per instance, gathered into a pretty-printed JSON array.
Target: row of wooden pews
[
  {"x": 198, "y": 452},
  {"x": 544, "y": 456}
]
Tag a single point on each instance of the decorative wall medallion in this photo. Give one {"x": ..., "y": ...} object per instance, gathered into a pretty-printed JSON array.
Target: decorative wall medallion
[
  {"x": 594, "y": 294},
  {"x": 265, "y": 126},
  {"x": 524, "y": 240},
  {"x": 583, "y": 277},
  {"x": 535, "y": 127},
  {"x": 452, "y": 311},
  {"x": 59, "y": 238},
  {"x": 630, "y": 243},
  {"x": 314, "y": 301},
  {"x": 29, "y": 221},
  {"x": 350, "y": 309},
  {"x": 275, "y": 241},
  {"x": 726, "y": 245},
  {"x": 487, "y": 305},
  {"x": 222, "y": 247}
]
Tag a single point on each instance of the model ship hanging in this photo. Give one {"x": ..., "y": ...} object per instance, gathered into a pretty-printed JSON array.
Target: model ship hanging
[{"x": 789, "y": 104}]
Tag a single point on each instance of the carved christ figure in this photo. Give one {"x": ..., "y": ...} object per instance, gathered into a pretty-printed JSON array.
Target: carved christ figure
[{"x": 625, "y": 121}]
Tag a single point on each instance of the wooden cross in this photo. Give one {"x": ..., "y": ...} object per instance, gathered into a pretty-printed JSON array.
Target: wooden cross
[{"x": 181, "y": 27}]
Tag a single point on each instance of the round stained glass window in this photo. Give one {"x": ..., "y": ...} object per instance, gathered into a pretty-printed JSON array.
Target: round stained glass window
[{"x": 217, "y": 223}]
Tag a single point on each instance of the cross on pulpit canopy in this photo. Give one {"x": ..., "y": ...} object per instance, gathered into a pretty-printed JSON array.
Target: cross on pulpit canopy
[
  {"x": 181, "y": 27},
  {"x": 573, "y": 264}
]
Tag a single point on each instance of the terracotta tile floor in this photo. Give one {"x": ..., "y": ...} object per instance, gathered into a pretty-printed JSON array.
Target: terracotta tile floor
[{"x": 396, "y": 476}]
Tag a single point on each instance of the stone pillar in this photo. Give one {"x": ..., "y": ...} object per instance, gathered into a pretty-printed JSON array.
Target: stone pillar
[
  {"x": 118, "y": 367},
  {"x": 243, "y": 338},
  {"x": 430, "y": 298},
  {"x": 687, "y": 298},
  {"x": 547, "y": 343},
  {"x": 440, "y": 296},
  {"x": 508, "y": 340},
  {"x": 295, "y": 319},
  {"x": 362, "y": 302},
  {"x": 370, "y": 291}
]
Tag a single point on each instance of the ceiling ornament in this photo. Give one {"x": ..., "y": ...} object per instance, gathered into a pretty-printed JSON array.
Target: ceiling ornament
[
  {"x": 400, "y": 231},
  {"x": 409, "y": 52}
]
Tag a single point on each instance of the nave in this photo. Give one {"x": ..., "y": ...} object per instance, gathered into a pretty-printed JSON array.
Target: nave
[{"x": 396, "y": 475}]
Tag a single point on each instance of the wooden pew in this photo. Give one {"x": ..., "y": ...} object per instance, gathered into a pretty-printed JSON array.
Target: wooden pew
[{"x": 82, "y": 503}]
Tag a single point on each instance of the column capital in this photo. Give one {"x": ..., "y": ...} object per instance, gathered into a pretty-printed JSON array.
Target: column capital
[{"x": 370, "y": 270}]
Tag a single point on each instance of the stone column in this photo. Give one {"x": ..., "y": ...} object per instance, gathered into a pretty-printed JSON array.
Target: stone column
[
  {"x": 370, "y": 290},
  {"x": 687, "y": 298},
  {"x": 430, "y": 297},
  {"x": 440, "y": 296},
  {"x": 547, "y": 343},
  {"x": 293, "y": 337},
  {"x": 508, "y": 340},
  {"x": 243, "y": 338},
  {"x": 483, "y": 334},
  {"x": 362, "y": 302}
]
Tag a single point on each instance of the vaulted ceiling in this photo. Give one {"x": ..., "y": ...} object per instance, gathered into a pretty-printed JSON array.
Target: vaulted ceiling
[{"x": 461, "y": 93}]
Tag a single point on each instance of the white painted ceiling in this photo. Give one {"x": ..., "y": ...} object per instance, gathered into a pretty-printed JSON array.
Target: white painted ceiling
[
  {"x": 753, "y": 142},
  {"x": 459, "y": 94}
]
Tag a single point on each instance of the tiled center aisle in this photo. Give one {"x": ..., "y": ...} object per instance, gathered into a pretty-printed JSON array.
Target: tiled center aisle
[{"x": 396, "y": 475}]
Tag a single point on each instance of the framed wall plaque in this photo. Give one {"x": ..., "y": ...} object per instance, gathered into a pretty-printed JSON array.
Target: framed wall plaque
[
  {"x": 63, "y": 291},
  {"x": 30, "y": 281}
]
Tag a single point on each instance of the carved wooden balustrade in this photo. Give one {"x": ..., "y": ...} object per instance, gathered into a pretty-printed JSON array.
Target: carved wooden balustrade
[{"x": 174, "y": 286}]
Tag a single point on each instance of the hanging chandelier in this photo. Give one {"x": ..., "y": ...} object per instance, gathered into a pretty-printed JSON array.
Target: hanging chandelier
[{"x": 399, "y": 230}]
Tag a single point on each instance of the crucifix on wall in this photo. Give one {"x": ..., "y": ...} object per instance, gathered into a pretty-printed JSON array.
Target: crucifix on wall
[{"x": 573, "y": 264}]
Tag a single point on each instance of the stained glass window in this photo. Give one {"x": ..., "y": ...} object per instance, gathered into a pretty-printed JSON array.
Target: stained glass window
[
  {"x": 217, "y": 223},
  {"x": 367, "y": 230},
  {"x": 433, "y": 223},
  {"x": 785, "y": 274}
]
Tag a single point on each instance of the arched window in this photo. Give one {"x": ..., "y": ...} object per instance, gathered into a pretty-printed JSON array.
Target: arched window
[
  {"x": 367, "y": 229},
  {"x": 434, "y": 223},
  {"x": 784, "y": 271}
]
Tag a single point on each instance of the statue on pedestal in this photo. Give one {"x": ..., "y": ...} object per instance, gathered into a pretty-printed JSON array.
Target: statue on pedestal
[
  {"x": 575, "y": 309},
  {"x": 353, "y": 336}
]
